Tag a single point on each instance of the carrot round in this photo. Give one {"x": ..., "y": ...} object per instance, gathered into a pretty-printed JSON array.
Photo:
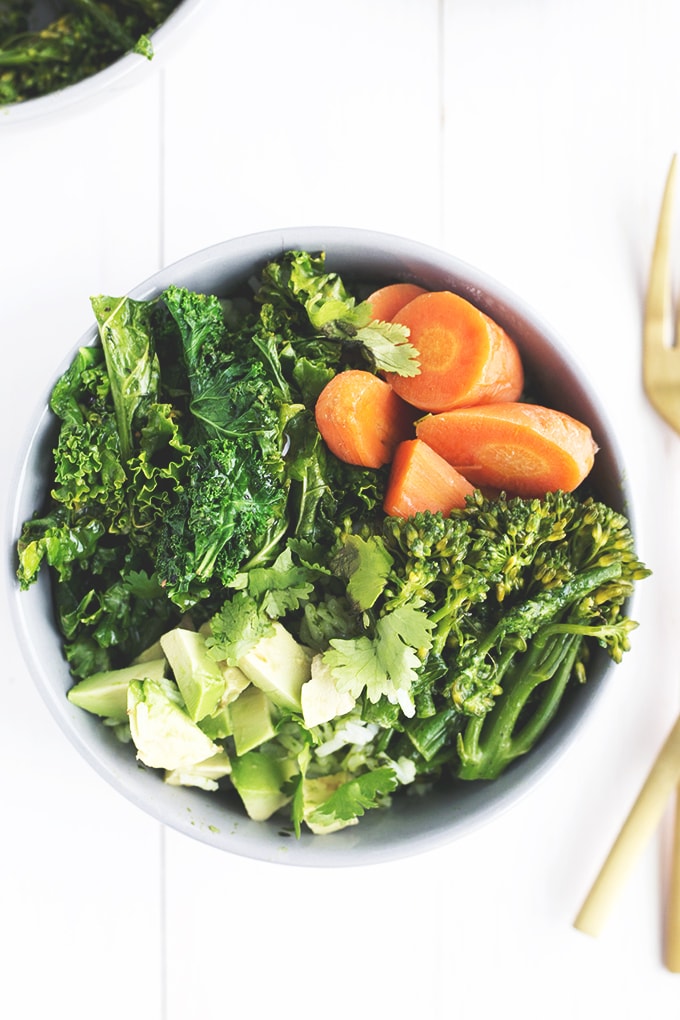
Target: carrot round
[
  {"x": 387, "y": 301},
  {"x": 523, "y": 449},
  {"x": 465, "y": 357},
  {"x": 362, "y": 419},
  {"x": 422, "y": 480}
]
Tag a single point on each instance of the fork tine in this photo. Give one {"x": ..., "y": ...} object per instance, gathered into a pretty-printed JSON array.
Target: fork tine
[{"x": 658, "y": 305}]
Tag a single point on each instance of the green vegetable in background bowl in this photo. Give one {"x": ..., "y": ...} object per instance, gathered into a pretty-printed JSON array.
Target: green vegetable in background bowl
[
  {"x": 234, "y": 601},
  {"x": 48, "y": 46}
]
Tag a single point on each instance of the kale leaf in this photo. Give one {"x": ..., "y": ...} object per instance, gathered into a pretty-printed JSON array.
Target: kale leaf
[{"x": 329, "y": 323}]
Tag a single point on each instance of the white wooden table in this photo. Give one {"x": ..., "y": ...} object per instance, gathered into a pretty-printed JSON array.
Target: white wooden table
[{"x": 530, "y": 138}]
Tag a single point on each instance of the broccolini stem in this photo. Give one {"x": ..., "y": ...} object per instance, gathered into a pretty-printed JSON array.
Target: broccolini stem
[
  {"x": 528, "y": 616},
  {"x": 15, "y": 58},
  {"x": 111, "y": 25},
  {"x": 444, "y": 618},
  {"x": 567, "y": 652},
  {"x": 550, "y": 660},
  {"x": 497, "y": 693},
  {"x": 431, "y": 734},
  {"x": 477, "y": 681}
]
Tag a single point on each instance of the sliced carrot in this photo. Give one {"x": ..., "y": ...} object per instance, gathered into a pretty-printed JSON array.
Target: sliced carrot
[
  {"x": 523, "y": 449},
  {"x": 362, "y": 419},
  {"x": 422, "y": 480},
  {"x": 387, "y": 301},
  {"x": 465, "y": 357}
]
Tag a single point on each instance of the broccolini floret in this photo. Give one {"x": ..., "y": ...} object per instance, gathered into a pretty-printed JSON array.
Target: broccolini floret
[
  {"x": 519, "y": 591},
  {"x": 435, "y": 567}
]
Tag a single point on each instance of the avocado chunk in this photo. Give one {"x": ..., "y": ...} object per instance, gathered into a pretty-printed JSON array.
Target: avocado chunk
[
  {"x": 320, "y": 698},
  {"x": 105, "y": 693},
  {"x": 235, "y": 681},
  {"x": 204, "y": 774},
  {"x": 279, "y": 666},
  {"x": 251, "y": 720},
  {"x": 218, "y": 725},
  {"x": 198, "y": 676},
  {"x": 260, "y": 779},
  {"x": 164, "y": 735},
  {"x": 153, "y": 651}
]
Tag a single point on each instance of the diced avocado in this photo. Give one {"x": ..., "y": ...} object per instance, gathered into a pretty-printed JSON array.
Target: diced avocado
[
  {"x": 154, "y": 651},
  {"x": 314, "y": 793},
  {"x": 235, "y": 681},
  {"x": 279, "y": 666},
  {"x": 251, "y": 719},
  {"x": 218, "y": 725},
  {"x": 204, "y": 774},
  {"x": 320, "y": 698},
  {"x": 259, "y": 779},
  {"x": 105, "y": 693},
  {"x": 163, "y": 733},
  {"x": 198, "y": 676}
]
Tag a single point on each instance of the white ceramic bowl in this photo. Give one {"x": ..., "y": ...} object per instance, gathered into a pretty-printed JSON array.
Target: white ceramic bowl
[
  {"x": 121, "y": 74},
  {"x": 413, "y": 824}
]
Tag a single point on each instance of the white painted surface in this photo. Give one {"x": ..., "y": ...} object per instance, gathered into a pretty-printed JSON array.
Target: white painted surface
[{"x": 531, "y": 138}]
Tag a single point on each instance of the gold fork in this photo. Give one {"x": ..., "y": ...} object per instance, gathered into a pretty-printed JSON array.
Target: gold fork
[
  {"x": 661, "y": 376},
  {"x": 661, "y": 354}
]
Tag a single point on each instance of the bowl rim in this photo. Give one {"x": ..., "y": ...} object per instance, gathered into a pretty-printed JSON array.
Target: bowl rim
[
  {"x": 346, "y": 847},
  {"x": 123, "y": 72}
]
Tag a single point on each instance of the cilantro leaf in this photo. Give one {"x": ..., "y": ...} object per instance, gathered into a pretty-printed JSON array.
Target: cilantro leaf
[
  {"x": 357, "y": 795},
  {"x": 385, "y": 344},
  {"x": 282, "y": 587},
  {"x": 237, "y": 628},
  {"x": 387, "y": 664},
  {"x": 389, "y": 348},
  {"x": 366, "y": 565},
  {"x": 409, "y": 624},
  {"x": 355, "y": 666}
]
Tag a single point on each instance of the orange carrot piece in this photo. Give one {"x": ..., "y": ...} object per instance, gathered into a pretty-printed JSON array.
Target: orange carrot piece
[
  {"x": 523, "y": 449},
  {"x": 422, "y": 480},
  {"x": 387, "y": 301},
  {"x": 362, "y": 419},
  {"x": 465, "y": 357}
]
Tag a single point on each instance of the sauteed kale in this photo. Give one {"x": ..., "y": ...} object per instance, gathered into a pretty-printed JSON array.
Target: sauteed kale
[{"x": 46, "y": 47}]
